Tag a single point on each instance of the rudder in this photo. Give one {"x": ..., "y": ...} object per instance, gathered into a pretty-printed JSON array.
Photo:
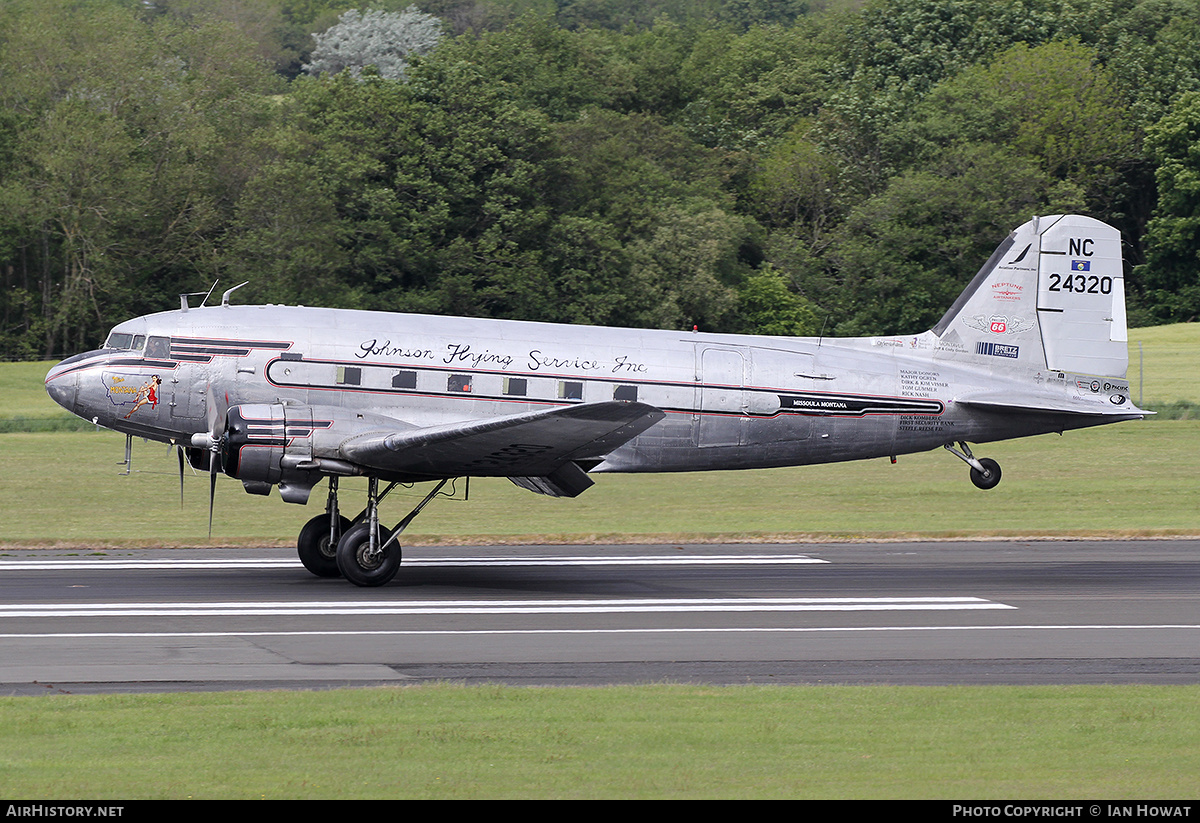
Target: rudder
[{"x": 1081, "y": 297}]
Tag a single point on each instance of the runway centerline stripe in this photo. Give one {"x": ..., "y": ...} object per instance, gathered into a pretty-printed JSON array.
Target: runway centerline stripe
[{"x": 621, "y": 606}]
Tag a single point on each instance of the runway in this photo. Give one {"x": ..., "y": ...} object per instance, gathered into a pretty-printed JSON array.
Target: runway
[{"x": 1002, "y": 612}]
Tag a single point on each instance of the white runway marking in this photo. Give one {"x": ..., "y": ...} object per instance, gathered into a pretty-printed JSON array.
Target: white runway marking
[
  {"x": 442, "y": 607},
  {"x": 100, "y": 564},
  {"x": 720, "y": 630}
]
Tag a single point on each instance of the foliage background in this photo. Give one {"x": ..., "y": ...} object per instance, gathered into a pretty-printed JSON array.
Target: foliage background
[{"x": 742, "y": 165}]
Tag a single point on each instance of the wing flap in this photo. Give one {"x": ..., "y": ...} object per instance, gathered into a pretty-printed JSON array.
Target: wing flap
[{"x": 531, "y": 444}]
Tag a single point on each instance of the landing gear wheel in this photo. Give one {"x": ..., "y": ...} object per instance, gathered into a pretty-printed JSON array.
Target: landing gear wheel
[
  {"x": 317, "y": 554},
  {"x": 989, "y": 480},
  {"x": 360, "y": 565}
]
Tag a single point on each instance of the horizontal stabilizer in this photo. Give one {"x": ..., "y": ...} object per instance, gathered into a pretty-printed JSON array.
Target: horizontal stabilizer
[
  {"x": 532, "y": 444},
  {"x": 1101, "y": 405}
]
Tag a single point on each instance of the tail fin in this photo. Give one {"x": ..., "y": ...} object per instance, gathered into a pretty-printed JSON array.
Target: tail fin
[{"x": 1052, "y": 296}]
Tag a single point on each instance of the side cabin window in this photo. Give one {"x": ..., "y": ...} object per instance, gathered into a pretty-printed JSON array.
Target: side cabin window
[
  {"x": 570, "y": 390},
  {"x": 404, "y": 380},
  {"x": 349, "y": 376},
  {"x": 158, "y": 348},
  {"x": 516, "y": 386},
  {"x": 625, "y": 393},
  {"x": 459, "y": 383}
]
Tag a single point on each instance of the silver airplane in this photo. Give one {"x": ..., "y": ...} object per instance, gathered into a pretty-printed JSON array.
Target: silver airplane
[{"x": 287, "y": 396}]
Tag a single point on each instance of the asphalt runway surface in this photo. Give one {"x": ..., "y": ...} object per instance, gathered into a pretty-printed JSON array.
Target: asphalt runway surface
[{"x": 987, "y": 612}]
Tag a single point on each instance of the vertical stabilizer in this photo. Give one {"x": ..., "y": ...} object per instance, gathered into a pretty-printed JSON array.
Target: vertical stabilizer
[
  {"x": 1052, "y": 297},
  {"x": 994, "y": 322}
]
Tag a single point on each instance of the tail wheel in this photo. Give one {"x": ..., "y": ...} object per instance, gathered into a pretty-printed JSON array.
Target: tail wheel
[
  {"x": 988, "y": 478},
  {"x": 362, "y": 566}
]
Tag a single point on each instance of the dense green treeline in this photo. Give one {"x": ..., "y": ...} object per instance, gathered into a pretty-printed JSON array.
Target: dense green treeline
[{"x": 741, "y": 165}]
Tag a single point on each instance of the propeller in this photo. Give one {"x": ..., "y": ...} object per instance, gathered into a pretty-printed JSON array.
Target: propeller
[{"x": 214, "y": 439}]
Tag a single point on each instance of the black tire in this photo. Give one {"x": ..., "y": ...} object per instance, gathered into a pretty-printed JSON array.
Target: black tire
[
  {"x": 992, "y": 477},
  {"x": 358, "y": 567},
  {"x": 317, "y": 554}
]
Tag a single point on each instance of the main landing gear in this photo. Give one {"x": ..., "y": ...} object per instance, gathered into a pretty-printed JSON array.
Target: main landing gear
[
  {"x": 985, "y": 472},
  {"x": 359, "y": 550}
]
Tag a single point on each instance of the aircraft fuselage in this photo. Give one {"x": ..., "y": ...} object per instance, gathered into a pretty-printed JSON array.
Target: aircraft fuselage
[{"x": 731, "y": 401}]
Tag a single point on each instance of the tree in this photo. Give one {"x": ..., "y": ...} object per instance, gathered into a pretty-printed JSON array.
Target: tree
[
  {"x": 387, "y": 41},
  {"x": 896, "y": 51},
  {"x": 767, "y": 306},
  {"x": 747, "y": 90},
  {"x": 685, "y": 267},
  {"x": 430, "y": 196},
  {"x": 1053, "y": 103},
  {"x": 125, "y": 156},
  {"x": 901, "y": 258},
  {"x": 1150, "y": 46},
  {"x": 1171, "y": 274}
]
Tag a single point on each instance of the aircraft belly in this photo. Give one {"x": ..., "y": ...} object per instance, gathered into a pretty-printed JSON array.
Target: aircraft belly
[{"x": 831, "y": 440}]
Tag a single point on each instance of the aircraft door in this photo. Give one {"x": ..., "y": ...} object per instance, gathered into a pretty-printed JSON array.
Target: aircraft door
[
  {"x": 788, "y": 373},
  {"x": 721, "y": 400},
  {"x": 187, "y": 395}
]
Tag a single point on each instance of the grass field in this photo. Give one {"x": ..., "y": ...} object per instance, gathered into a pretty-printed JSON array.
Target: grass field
[
  {"x": 1164, "y": 364},
  {"x": 452, "y": 742},
  {"x": 63, "y": 488}
]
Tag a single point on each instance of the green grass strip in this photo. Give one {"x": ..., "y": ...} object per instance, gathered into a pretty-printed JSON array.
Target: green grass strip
[
  {"x": 1126, "y": 480},
  {"x": 447, "y": 741}
]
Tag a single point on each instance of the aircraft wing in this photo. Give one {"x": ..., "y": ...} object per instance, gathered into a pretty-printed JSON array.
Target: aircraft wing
[{"x": 535, "y": 449}]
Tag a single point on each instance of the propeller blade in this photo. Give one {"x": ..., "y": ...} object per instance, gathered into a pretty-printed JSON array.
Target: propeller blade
[
  {"x": 179, "y": 451},
  {"x": 212, "y": 494},
  {"x": 216, "y": 418},
  {"x": 210, "y": 403}
]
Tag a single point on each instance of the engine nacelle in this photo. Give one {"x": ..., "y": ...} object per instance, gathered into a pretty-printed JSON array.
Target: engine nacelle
[
  {"x": 271, "y": 444},
  {"x": 292, "y": 446}
]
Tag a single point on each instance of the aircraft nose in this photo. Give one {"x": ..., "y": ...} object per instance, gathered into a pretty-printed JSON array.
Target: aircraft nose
[{"x": 62, "y": 384}]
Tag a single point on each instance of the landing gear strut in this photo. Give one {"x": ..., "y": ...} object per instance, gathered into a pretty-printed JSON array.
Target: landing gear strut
[
  {"x": 985, "y": 472},
  {"x": 318, "y": 542},
  {"x": 369, "y": 555},
  {"x": 359, "y": 550}
]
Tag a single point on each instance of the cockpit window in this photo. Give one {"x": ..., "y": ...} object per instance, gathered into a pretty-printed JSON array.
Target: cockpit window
[
  {"x": 124, "y": 340},
  {"x": 158, "y": 348}
]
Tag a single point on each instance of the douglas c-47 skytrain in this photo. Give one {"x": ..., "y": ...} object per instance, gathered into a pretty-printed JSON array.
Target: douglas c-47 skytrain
[{"x": 287, "y": 396}]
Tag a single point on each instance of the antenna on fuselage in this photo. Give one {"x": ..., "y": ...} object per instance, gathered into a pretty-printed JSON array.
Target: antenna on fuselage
[
  {"x": 225, "y": 296},
  {"x": 183, "y": 298}
]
